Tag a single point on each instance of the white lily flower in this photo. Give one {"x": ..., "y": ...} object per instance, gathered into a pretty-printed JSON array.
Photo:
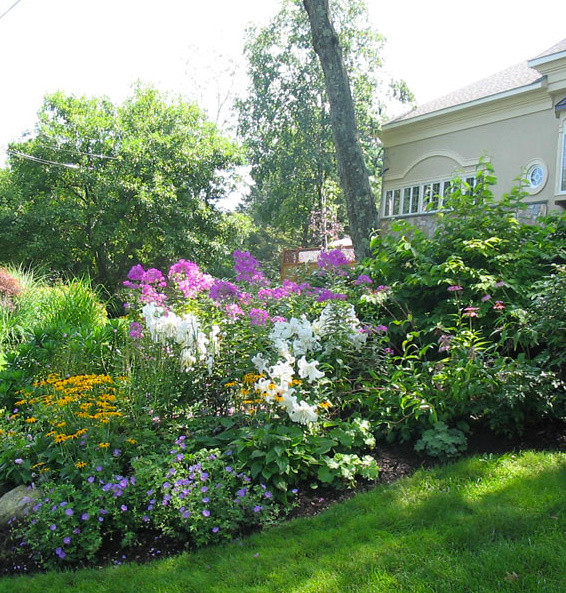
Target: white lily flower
[
  {"x": 303, "y": 413},
  {"x": 308, "y": 370}
]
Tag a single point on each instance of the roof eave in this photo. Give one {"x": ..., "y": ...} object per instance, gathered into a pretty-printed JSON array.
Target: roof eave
[
  {"x": 545, "y": 59},
  {"x": 455, "y": 108}
]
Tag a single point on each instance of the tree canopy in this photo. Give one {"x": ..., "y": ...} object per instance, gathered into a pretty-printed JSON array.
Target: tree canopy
[
  {"x": 285, "y": 118},
  {"x": 100, "y": 186}
]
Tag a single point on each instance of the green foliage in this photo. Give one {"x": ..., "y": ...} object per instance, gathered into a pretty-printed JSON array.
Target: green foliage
[
  {"x": 285, "y": 119},
  {"x": 442, "y": 442},
  {"x": 101, "y": 185}
]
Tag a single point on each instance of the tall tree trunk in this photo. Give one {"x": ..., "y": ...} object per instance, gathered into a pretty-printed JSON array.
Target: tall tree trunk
[{"x": 354, "y": 177}]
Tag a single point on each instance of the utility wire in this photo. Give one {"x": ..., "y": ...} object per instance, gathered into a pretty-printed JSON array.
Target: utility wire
[
  {"x": 7, "y": 11},
  {"x": 30, "y": 157}
]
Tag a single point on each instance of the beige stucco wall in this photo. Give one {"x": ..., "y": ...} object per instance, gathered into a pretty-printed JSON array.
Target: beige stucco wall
[{"x": 511, "y": 135}]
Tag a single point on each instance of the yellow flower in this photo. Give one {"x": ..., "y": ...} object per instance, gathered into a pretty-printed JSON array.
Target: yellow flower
[
  {"x": 131, "y": 441},
  {"x": 80, "y": 464},
  {"x": 325, "y": 405},
  {"x": 31, "y": 420},
  {"x": 231, "y": 384},
  {"x": 104, "y": 445}
]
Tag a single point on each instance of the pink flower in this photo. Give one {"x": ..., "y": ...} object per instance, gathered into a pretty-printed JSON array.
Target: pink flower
[
  {"x": 485, "y": 298},
  {"x": 455, "y": 288},
  {"x": 471, "y": 311},
  {"x": 499, "y": 306}
]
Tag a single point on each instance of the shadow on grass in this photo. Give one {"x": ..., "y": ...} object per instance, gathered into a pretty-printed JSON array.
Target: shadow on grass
[{"x": 481, "y": 525}]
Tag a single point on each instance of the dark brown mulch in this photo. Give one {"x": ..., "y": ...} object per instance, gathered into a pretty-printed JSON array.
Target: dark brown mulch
[{"x": 395, "y": 461}]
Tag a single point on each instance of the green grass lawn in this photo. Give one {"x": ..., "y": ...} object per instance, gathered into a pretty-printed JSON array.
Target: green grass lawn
[{"x": 486, "y": 524}]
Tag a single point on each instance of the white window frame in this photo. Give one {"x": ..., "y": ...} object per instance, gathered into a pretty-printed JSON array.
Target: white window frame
[
  {"x": 561, "y": 169},
  {"x": 415, "y": 199}
]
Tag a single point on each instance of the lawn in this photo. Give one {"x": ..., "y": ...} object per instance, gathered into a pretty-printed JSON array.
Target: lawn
[{"x": 484, "y": 524}]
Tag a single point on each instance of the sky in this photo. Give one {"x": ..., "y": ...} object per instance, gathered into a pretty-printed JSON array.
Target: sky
[{"x": 102, "y": 47}]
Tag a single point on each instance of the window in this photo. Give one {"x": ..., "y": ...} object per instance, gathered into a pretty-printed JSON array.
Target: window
[
  {"x": 420, "y": 199},
  {"x": 535, "y": 176},
  {"x": 562, "y": 169}
]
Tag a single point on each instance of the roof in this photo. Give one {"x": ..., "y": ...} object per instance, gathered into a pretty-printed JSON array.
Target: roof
[{"x": 513, "y": 78}]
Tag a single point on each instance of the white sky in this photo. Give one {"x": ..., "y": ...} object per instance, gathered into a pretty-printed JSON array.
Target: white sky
[{"x": 101, "y": 47}]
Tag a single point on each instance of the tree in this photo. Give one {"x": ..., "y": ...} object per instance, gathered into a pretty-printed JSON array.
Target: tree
[
  {"x": 285, "y": 118},
  {"x": 362, "y": 211},
  {"x": 100, "y": 187}
]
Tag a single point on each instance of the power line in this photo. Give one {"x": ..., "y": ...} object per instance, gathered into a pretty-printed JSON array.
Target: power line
[
  {"x": 7, "y": 11},
  {"x": 36, "y": 159}
]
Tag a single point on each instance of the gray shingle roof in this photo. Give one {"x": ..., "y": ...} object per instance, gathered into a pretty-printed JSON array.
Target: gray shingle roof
[{"x": 509, "y": 79}]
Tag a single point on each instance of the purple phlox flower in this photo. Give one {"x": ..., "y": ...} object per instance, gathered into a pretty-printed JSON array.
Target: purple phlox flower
[
  {"x": 223, "y": 290},
  {"x": 206, "y": 513},
  {"x": 247, "y": 268},
  {"x": 135, "y": 330},
  {"x": 258, "y": 316},
  {"x": 18, "y": 461},
  {"x": 325, "y": 294},
  {"x": 67, "y": 540},
  {"x": 485, "y": 298},
  {"x": 257, "y": 508},
  {"x": 363, "y": 279},
  {"x": 454, "y": 288},
  {"x": 278, "y": 319},
  {"x": 471, "y": 311},
  {"x": 60, "y": 553},
  {"x": 136, "y": 273},
  {"x": 333, "y": 261}
]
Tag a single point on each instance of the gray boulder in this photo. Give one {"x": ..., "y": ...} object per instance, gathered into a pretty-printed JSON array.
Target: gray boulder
[{"x": 16, "y": 502}]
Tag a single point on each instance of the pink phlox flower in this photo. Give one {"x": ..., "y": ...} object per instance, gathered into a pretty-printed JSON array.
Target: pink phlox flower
[
  {"x": 233, "y": 311},
  {"x": 454, "y": 288},
  {"x": 382, "y": 288},
  {"x": 485, "y": 298},
  {"x": 471, "y": 311},
  {"x": 499, "y": 306},
  {"x": 189, "y": 278},
  {"x": 258, "y": 316}
]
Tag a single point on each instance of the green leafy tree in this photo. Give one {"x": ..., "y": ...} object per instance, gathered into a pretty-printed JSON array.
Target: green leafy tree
[
  {"x": 285, "y": 119},
  {"x": 99, "y": 187}
]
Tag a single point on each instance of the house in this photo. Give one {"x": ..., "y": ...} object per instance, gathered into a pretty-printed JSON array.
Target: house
[{"x": 515, "y": 118}]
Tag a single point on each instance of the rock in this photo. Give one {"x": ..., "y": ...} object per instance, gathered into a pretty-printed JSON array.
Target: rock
[{"x": 16, "y": 502}]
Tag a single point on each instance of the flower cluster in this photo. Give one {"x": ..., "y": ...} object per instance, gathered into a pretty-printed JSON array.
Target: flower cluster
[
  {"x": 247, "y": 269},
  {"x": 186, "y": 330}
]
